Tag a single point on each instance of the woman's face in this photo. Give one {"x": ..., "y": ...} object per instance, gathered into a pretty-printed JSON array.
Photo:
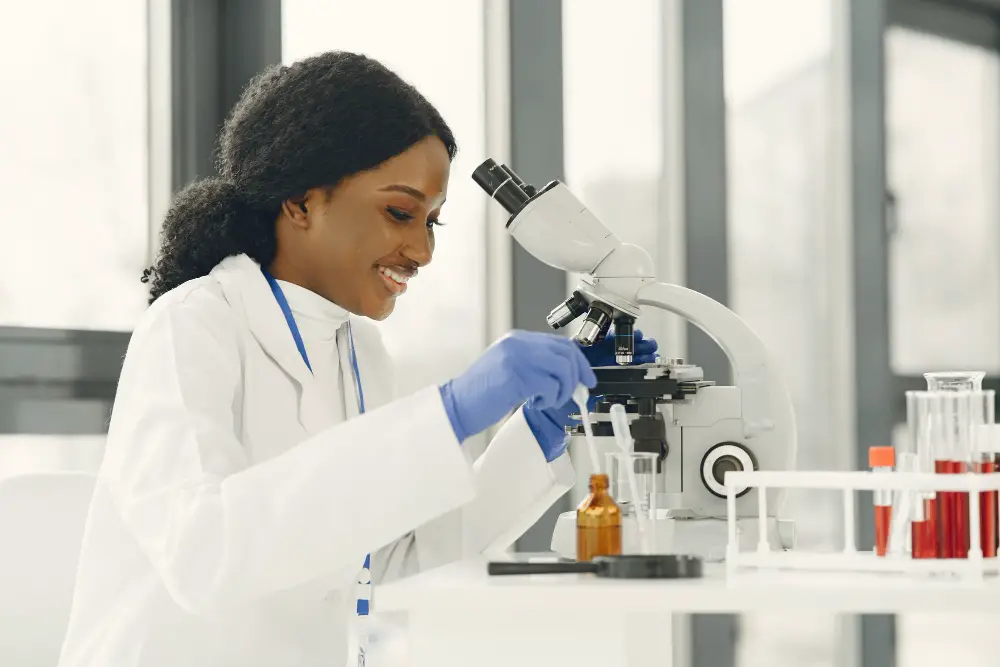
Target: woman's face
[{"x": 361, "y": 242}]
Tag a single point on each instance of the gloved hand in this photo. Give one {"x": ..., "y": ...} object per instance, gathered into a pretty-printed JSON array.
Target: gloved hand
[
  {"x": 540, "y": 370},
  {"x": 603, "y": 353},
  {"x": 549, "y": 424}
]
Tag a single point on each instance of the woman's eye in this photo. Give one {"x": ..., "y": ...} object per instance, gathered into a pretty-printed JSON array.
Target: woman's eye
[
  {"x": 398, "y": 214},
  {"x": 434, "y": 223}
]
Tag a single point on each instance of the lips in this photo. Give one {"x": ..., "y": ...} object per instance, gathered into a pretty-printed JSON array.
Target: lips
[{"x": 394, "y": 279}]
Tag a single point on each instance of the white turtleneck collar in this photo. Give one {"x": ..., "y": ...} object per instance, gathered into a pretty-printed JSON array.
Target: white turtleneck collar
[{"x": 317, "y": 318}]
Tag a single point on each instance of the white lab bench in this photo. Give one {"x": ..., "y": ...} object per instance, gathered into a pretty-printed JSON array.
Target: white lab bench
[{"x": 457, "y": 615}]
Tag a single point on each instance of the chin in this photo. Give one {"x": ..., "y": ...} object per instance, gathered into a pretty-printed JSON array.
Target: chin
[{"x": 381, "y": 311}]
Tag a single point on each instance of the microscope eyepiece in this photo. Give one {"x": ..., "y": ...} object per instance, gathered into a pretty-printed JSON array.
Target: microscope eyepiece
[
  {"x": 514, "y": 177},
  {"x": 501, "y": 184}
]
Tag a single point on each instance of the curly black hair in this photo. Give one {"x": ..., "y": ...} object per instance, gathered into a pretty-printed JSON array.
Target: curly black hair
[{"x": 296, "y": 127}]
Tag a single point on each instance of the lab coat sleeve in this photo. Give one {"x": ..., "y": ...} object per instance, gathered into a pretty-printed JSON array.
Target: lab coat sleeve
[
  {"x": 220, "y": 531},
  {"x": 514, "y": 485}
]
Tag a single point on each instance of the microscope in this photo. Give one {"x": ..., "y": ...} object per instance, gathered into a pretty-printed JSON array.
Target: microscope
[{"x": 697, "y": 429}]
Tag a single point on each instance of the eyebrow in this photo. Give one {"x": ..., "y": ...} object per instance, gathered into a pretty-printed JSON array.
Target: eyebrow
[{"x": 413, "y": 192}]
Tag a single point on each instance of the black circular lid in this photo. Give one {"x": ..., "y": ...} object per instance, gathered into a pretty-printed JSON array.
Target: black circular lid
[{"x": 661, "y": 566}]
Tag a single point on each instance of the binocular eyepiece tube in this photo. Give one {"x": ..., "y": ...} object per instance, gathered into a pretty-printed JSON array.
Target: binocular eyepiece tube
[{"x": 501, "y": 183}]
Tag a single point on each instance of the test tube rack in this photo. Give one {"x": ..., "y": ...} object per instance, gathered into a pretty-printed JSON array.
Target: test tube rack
[{"x": 849, "y": 558}]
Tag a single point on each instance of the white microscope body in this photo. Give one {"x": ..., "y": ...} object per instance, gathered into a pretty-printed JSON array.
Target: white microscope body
[{"x": 700, "y": 430}]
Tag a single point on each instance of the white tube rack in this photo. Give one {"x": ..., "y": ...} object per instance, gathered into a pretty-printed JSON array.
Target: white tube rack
[{"x": 849, "y": 559}]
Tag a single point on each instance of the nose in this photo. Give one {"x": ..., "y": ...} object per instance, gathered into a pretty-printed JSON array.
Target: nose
[{"x": 419, "y": 244}]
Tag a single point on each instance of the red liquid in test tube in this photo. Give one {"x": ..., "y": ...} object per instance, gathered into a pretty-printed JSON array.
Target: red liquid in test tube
[
  {"x": 947, "y": 514},
  {"x": 924, "y": 530},
  {"x": 882, "y": 459},
  {"x": 961, "y": 514},
  {"x": 988, "y": 513}
]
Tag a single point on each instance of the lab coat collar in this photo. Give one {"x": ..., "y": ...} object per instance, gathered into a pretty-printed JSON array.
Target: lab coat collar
[{"x": 247, "y": 290}]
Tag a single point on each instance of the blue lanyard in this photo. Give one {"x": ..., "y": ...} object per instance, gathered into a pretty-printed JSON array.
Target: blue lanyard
[{"x": 279, "y": 296}]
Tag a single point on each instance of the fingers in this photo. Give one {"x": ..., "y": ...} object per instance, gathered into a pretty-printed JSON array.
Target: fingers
[
  {"x": 585, "y": 374},
  {"x": 581, "y": 373},
  {"x": 543, "y": 387},
  {"x": 550, "y": 371},
  {"x": 646, "y": 346}
]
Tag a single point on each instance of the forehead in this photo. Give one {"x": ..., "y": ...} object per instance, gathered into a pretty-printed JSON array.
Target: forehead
[{"x": 424, "y": 167}]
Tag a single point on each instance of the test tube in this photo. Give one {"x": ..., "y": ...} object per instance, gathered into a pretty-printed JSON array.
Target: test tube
[
  {"x": 988, "y": 447},
  {"x": 882, "y": 459},
  {"x": 923, "y": 432},
  {"x": 948, "y": 461},
  {"x": 956, "y": 416}
]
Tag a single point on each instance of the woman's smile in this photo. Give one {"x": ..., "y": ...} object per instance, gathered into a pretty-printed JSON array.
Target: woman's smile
[{"x": 394, "y": 279}]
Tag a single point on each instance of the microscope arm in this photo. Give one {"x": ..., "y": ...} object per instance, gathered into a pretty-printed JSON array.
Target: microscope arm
[{"x": 765, "y": 403}]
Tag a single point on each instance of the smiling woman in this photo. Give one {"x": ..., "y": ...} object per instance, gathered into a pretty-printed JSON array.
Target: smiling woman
[
  {"x": 320, "y": 205},
  {"x": 358, "y": 243},
  {"x": 262, "y": 473}
]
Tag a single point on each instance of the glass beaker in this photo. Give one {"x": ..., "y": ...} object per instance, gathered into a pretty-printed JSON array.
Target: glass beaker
[
  {"x": 953, "y": 414},
  {"x": 955, "y": 381},
  {"x": 643, "y": 465}
]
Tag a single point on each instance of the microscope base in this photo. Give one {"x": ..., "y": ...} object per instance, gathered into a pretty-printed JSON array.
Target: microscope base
[{"x": 706, "y": 538}]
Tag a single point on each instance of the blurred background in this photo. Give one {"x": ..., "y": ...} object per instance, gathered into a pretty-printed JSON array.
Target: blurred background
[{"x": 829, "y": 169}]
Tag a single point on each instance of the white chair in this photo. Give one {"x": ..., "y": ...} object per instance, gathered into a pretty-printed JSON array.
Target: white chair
[{"x": 42, "y": 516}]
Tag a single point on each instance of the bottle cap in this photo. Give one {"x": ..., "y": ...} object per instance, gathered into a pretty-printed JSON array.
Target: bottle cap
[
  {"x": 599, "y": 481},
  {"x": 881, "y": 457}
]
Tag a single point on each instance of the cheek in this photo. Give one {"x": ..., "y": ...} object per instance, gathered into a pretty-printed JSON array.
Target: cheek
[{"x": 355, "y": 238}]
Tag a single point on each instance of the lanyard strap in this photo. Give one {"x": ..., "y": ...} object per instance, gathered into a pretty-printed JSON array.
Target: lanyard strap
[{"x": 286, "y": 310}]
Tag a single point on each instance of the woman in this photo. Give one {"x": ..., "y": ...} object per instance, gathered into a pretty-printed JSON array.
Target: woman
[{"x": 257, "y": 459}]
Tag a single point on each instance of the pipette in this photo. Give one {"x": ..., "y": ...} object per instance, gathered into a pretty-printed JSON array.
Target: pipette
[
  {"x": 580, "y": 397},
  {"x": 619, "y": 424}
]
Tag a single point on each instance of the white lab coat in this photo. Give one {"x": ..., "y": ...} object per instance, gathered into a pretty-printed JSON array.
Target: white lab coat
[{"x": 231, "y": 517}]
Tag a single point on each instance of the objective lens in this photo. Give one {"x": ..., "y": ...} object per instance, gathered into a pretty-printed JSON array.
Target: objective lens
[
  {"x": 597, "y": 323},
  {"x": 624, "y": 339},
  {"x": 567, "y": 311}
]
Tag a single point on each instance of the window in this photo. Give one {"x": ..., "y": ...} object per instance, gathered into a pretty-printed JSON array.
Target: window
[
  {"x": 439, "y": 325},
  {"x": 612, "y": 162},
  {"x": 942, "y": 121},
  {"x": 73, "y": 161},
  {"x": 779, "y": 101}
]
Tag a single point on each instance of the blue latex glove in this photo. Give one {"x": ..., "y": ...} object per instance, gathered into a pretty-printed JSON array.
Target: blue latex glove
[
  {"x": 549, "y": 424},
  {"x": 603, "y": 353},
  {"x": 540, "y": 370}
]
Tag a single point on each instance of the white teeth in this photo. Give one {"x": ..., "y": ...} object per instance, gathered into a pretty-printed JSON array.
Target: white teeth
[{"x": 393, "y": 275}]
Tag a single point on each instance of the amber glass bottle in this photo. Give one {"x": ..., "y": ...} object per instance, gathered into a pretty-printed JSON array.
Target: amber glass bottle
[{"x": 598, "y": 522}]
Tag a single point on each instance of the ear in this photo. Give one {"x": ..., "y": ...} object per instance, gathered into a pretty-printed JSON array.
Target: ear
[{"x": 296, "y": 209}]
